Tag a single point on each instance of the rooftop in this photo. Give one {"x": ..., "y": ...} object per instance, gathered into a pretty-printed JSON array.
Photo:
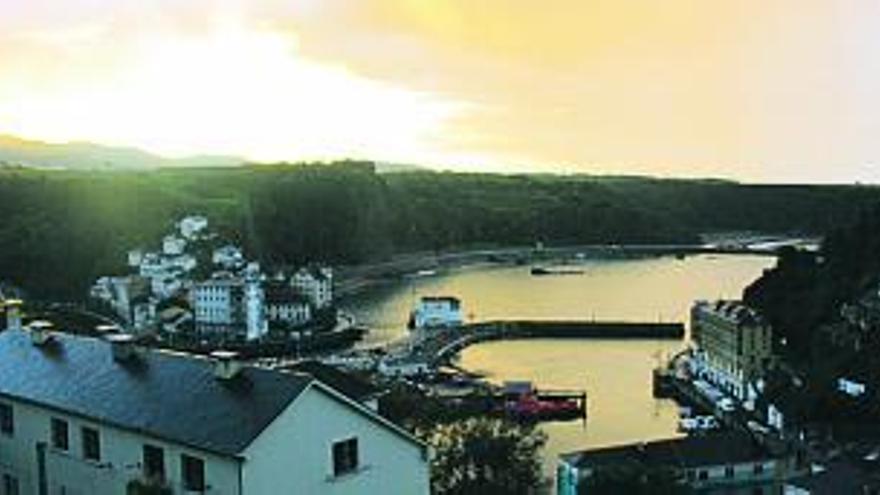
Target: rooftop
[
  {"x": 347, "y": 383},
  {"x": 447, "y": 299},
  {"x": 735, "y": 311},
  {"x": 166, "y": 395},
  {"x": 282, "y": 293},
  {"x": 686, "y": 452}
]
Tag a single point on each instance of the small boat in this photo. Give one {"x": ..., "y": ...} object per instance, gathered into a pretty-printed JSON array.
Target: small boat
[{"x": 540, "y": 270}]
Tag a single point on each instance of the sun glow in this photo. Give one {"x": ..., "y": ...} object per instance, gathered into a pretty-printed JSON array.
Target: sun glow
[{"x": 233, "y": 91}]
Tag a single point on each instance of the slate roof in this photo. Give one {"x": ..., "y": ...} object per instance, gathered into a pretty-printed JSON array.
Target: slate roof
[
  {"x": 687, "y": 452},
  {"x": 350, "y": 385},
  {"x": 169, "y": 396}
]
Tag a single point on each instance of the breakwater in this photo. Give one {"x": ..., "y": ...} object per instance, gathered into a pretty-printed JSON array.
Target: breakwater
[
  {"x": 434, "y": 346},
  {"x": 561, "y": 329}
]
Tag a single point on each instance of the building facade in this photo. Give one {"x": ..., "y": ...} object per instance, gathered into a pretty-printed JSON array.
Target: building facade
[
  {"x": 190, "y": 425},
  {"x": 734, "y": 346},
  {"x": 285, "y": 306},
  {"x": 437, "y": 312},
  {"x": 726, "y": 463},
  {"x": 315, "y": 284}
]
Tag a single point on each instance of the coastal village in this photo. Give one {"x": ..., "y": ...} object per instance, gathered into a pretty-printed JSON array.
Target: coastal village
[
  {"x": 739, "y": 426},
  {"x": 196, "y": 284}
]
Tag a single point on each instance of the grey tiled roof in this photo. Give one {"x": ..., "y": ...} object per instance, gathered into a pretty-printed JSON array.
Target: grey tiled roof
[
  {"x": 165, "y": 395},
  {"x": 685, "y": 452}
]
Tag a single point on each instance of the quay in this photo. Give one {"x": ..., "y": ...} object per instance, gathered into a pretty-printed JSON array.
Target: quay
[
  {"x": 440, "y": 346},
  {"x": 430, "y": 348}
]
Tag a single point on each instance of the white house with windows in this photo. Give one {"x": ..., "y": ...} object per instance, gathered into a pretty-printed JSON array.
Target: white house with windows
[
  {"x": 437, "y": 312},
  {"x": 231, "y": 305},
  {"x": 315, "y": 283},
  {"x": 173, "y": 245},
  {"x": 284, "y": 305},
  {"x": 191, "y": 226},
  {"x": 87, "y": 416}
]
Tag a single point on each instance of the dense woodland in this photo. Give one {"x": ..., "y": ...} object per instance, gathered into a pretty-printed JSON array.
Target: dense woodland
[
  {"x": 61, "y": 229},
  {"x": 806, "y": 290}
]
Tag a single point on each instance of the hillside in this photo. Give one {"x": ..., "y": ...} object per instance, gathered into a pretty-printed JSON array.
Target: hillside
[
  {"x": 62, "y": 229},
  {"x": 16, "y": 151}
]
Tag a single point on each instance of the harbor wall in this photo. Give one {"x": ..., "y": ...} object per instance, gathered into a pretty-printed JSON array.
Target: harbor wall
[{"x": 561, "y": 329}]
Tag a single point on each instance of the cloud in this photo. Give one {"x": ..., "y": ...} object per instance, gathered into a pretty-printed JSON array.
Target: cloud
[{"x": 778, "y": 90}]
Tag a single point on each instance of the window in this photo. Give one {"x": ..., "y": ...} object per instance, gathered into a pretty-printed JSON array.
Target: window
[
  {"x": 59, "y": 434},
  {"x": 10, "y": 485},
  {"x": 154, "y": 463},
  {"x": 759, "y": 468},
  {"x": 7, "y": 419},
  {"x": 345, "y": 456},
  {"x": 703, "y": 474},
  {"x": 91, "y": 444},
  {"x": 728, "y": 472},
  {"x": 193, "y": 473}
]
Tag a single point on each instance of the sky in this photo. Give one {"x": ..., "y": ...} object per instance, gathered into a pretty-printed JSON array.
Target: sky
[{"x": 753, "y": 90}]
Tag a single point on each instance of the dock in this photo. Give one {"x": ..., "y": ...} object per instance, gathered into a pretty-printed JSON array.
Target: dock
[{"x": 436, "y": 346}]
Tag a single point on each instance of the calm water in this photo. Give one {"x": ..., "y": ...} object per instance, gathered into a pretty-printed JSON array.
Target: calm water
[{"x": 616, "y": 374}]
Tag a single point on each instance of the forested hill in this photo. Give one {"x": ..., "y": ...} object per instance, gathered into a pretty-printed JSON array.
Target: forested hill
[{"x": 61, "y": 229}]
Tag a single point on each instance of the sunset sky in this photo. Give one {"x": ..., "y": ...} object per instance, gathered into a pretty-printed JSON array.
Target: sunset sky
[{"x": 757, "y": 90}]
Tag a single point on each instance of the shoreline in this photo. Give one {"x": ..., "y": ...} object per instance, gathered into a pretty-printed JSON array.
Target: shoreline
[{"x": 354, "y": 280}]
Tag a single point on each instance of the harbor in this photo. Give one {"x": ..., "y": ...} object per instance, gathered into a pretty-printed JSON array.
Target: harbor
[{"x": 620, "y": 405}]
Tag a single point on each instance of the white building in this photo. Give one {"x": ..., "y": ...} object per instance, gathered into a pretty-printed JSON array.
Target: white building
[
  {"x": 190, "y": 424},
  {"x": 284, "y": 305},
  {"x": 218, "y": 301},
  {"x": 191, "y": 226},
  {"x": 315, "y": 284},
  {"x": 122, "y": 293},
  {"x": 173, "y": 245},
  {"x": 135, "y": 257},
  {"x": 734, "y": 346},
  {"x": 228, "y": 257},
  {"x": 230, "y": 305},
  {"x": 437, "y": 312}
]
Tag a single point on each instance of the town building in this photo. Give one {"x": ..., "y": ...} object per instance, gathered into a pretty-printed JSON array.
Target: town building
[
  {"x": 315, "y": 283},
  {"x": 126, "y": 296},
  {"x": 228, "y": 257},
  {"x": 284, "y": 305},
  {"x": 734, "y": 346},
  {"x": 190, "y": 227},
  {"x": 230, "y": 305},
  {"x": 437, "y": 312},
  {"x": 722, "y": 463},
  {"x": 88, "y": 416},
  {"x": 173, "y": 245}
]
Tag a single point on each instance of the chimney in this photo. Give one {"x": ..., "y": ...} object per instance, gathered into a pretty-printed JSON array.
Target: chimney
[
  {"x": 226, "y": 364},
  {"x": 13, "y": 314},
  {"x": 123, "y": 347},
  {"x": 41, "y": 332}
]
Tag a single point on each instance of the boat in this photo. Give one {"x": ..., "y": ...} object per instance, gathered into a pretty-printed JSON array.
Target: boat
[
  {"x": 531, "y": 407},
  {"x": 541, "y": 270}
]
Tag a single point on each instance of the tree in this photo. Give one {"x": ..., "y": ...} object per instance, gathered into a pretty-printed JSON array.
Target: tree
[
  {"x": 486, "y": 456},
  {"x": 635, "y": 478}
]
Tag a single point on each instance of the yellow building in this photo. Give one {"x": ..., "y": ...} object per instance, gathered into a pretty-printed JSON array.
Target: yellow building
[{"x": 734, "y": 345}]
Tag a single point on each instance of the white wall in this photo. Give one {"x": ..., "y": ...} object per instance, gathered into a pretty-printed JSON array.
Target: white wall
[
  {"x": 121, "y": 457},
  {"x": 293, "y": 455}
]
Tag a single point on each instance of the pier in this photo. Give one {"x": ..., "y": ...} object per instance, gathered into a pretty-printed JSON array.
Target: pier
[{"x": 436, "y": 346}]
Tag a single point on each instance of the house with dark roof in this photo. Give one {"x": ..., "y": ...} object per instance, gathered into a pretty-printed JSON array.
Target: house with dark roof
[
  {"x": 734, "y": 346},
  {"x": 355, "y": 387},
  {"x": 93, "y": 416},
  {"x": 284, "y": 305},
  {"x": 729, "y": 462},
  {"x": 315, "y": 283}
]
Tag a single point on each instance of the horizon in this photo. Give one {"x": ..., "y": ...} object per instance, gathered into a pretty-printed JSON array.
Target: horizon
[{"x": 743, "y": 91}]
